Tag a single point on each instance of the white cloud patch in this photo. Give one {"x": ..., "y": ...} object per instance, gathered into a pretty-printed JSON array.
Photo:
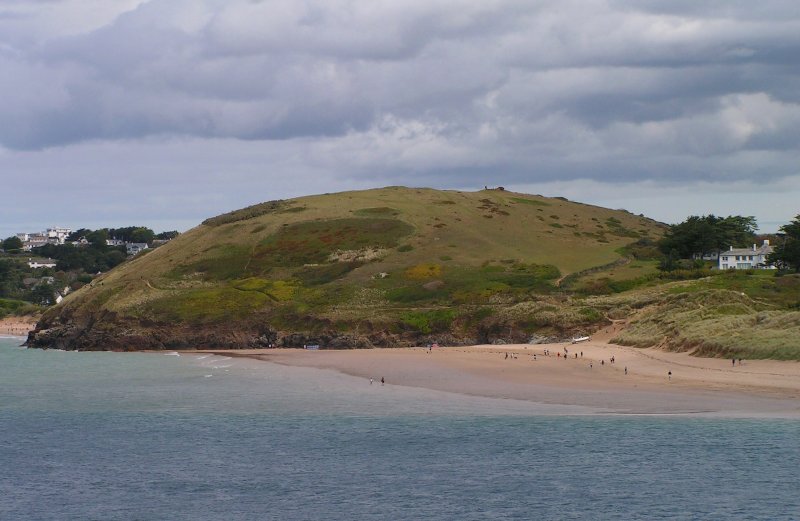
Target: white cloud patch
[{"x": 322, "y": 96}]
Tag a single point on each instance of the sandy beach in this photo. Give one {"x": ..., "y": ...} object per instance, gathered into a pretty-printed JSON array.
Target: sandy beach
[
  {"x": 637, "y": 382},
  {"x": 17, "y": 326}
]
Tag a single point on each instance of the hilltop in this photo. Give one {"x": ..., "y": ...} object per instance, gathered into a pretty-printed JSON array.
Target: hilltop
[{"x": 390, "y": 266}]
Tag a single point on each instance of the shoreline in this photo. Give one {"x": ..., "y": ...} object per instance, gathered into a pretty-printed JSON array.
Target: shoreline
[
  {"x": 704, "y": 386},
  {"x": 17, "y": 326}
]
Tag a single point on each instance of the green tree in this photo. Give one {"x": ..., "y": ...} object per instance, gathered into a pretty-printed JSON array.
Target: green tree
[
  {"x": 701, "y": 235},
  {"x": 98, "y": 238},
  {"x": 43, "y": 294},
  {"x": 78, "y": 234},
  {"x": 165, "y": 236},
  {"x": 786, "y": 254},
  {"x": 12, "y": 244},
  {"x": 142, "y": 234}
]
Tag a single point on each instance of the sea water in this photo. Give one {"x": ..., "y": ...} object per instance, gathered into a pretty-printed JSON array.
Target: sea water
[{"x": 114, "y": 436}]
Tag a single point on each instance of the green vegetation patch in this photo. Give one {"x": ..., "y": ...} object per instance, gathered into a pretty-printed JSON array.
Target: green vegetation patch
[
  {"x": 325, "y": 273},
  {"x": 717, "y": 323},
  {"x": 244, "y": 214},
  {"x": 222, "y": 262},
  {"x": 293, "y": 209},
  {"x": 430, "y": 321},
  {"x": 379, "y": 211},
  {"x": 276, "y": 290},
  {"x": 210, "y": 305},
  {"x": 532, "y": 202},
  {"x": 469, "y": 285},
  {"x": 763, "y": 285},
  {"x": 17, "y": 307},
  {"x": 312, "y": 242},
  {"x": 615, "y": 227}
]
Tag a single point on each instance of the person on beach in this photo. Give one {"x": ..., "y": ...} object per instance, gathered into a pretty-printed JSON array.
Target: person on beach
[
  {"x": 370, "y": 381},
  {"x": 626, "y": 369},
  {"x": 669, "y": 375},
  {"x": 733, "y": 361},
  {"x": 384, "y": 381}
]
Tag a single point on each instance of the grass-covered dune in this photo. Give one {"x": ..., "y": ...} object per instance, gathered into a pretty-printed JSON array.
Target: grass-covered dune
[
  {"x": 391, "y": 266},
  {"x": 753, "y": 314}
]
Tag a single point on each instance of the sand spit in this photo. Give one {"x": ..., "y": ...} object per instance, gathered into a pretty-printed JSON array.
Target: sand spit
[{"x": 638, "y": 381}]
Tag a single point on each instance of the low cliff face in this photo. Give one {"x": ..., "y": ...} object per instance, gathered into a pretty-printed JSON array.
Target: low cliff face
[
  {"x": 389, "y": 267},
  {"x": 112, "y": 334}
]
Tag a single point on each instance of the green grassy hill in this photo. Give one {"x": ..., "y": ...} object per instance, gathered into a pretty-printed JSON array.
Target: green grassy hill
[{"x": 389, "y": 266}]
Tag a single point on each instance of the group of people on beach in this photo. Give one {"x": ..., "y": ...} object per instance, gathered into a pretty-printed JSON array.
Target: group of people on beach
[{"x": 546, "y": 352}]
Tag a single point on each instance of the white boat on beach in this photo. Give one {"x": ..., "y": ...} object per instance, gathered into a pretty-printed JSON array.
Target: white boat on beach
[{"x": 580, "y": 339}]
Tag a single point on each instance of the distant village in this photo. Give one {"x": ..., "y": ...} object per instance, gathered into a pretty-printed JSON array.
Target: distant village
[
  {"x": 60, "y": 236},
  {"x": 43, "y": 267}
]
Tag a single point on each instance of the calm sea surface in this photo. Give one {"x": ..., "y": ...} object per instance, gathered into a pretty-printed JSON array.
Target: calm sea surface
[{"x": 110, "y": 436}]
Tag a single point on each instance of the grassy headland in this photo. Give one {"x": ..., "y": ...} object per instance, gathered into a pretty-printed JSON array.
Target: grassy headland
[{"x": 402, "y": 266}]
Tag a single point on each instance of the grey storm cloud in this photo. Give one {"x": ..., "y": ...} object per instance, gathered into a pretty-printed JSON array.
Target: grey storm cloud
[{"x": 443, "y": 90}]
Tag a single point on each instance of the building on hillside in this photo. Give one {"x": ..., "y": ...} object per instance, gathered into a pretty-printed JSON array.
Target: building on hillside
[
  {"x": 41, "y": 263},
  {"x": 58, "y": 234},
  {"x": 115, "y": 242},
  {"x": 135, "y": 248},
  {"x": 53, "y": 235},
  {"x": 746, "y": 258}
]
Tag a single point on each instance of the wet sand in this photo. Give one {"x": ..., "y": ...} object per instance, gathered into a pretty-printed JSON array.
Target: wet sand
[{"x": 696, "y": 386}]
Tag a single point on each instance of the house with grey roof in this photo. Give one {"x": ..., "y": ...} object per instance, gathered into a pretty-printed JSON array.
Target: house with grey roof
[{"x": 746, "y": 258}]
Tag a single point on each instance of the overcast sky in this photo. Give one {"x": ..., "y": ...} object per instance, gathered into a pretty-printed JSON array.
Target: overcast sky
[{"x": 164, "y": 112}]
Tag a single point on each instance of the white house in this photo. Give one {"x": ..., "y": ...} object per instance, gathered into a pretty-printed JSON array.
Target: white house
[
  {"x": 746, "y": 258},
  {"x": 55, "y": 235},
  {"x": 58, "y": 234},
  {"x": 41, "y": 263},
  {"x": 134, "y": 248}
]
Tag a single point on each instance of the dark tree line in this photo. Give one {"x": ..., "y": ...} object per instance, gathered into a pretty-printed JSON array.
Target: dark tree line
[
  {"x": 12, "y": 245},
  {"x": 707, "y": 234},
  {"x": 786, "y": 254},
  {"x": 13, "y": 273},
  {"x": 92, "y": 259}
]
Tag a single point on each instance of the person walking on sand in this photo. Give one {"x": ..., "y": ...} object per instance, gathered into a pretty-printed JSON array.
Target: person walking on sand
[
  {"x": 626, "y": 369},
  {"x": 384, "y": 381},
  {"x": 370, "y": 381},
  {"x": 669, "y": 375},
  {"x": 733, "y": 361}
]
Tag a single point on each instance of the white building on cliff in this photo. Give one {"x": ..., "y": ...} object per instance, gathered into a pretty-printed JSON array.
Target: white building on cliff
[{"x": 746, "y": 258}]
